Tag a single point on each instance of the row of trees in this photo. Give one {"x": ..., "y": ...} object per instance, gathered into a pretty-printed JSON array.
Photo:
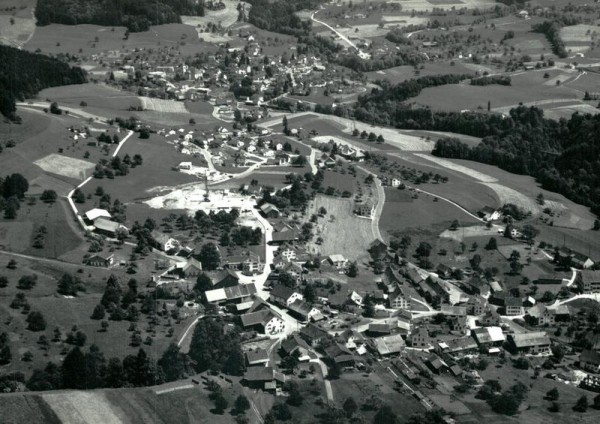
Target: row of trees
[{"x": 12, "y": 192}]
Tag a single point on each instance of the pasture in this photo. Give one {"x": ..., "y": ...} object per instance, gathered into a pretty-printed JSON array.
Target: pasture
[
  {"x": 96, "y": 96},
  {"x": 333, "y": 228},
  {"x": 402, "y": 73},
  {"x": 16, "y": 31}
]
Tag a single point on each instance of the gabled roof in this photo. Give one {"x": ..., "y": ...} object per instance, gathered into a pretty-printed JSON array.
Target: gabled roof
[
  {"x": 96, "y": 213},
  {"x": 261, "y": 317},
  {"x": 301, "y": 307},
  {"x": 104, "y": 224},
  {"x": 230, "y": 293},
  {"x": 389, "y": 344},
  {"x": 313, "y": 332},
  {"x": 488, "y": 334},
  {"x": 263, "y": 374},
  {"x": 292, "y": 343},
  {"x": 536, "y": 338},
  {"x": 257, "y": 356},
  {"x": 282, "y": 292},
  {"x": 590, "y": 356}
]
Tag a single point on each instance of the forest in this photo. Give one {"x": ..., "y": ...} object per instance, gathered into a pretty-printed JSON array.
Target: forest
[
  {"x": 563, "y": 156},
  {"x": 23, "y": 74},
  {"x": 136, "y": 15},
  {"x": 278, "y": 16}
]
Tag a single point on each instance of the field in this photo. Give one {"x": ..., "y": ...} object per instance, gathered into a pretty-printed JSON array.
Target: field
[
  {"x": 224, "y": 18},
  {"x": 162, "y": 106},
  {"x": 403, "y": 73},
  {"x": 66, "y": 166},
  {"x": 97, "y": 97},
  {"x": 337, "y": 239},
  {"x": 16, "y": 31}
]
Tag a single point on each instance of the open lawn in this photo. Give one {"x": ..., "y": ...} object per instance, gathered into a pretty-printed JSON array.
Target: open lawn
[
  {"x": 96, "y": 96},
  {"x": 334, "y": 228}
]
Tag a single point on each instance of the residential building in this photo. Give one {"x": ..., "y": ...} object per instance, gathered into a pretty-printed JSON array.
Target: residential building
[
  {"x": 270, "y": 211},
  {"x": 589, "y": 281},
  {"x": 589, "y": 360},
  {"x": 513, "y": 306},
  {"x": 265, "y": 321},
  {"x": 257, "y": 357},
  {"x": 264, "y": 378},
  {"x": 388, "y": 345},
  {"x": 108, "y": 228},
  {"x": 239, "y": 294},
  {"x": 364, "y": 208},
  {"x": 488, "y": 336},
  {"x": 338, "y": 261},
  {"x": 96, "y": 213},
  {"x": 399, "y": 299},
  {"x": 420, "y": 338},
  {"x": 295, "y": 343},
  {"x": 284, "y": 296},
  {"x": 100, "y": 260},
  {"x": 313, "y": 334},
  {"x": 304, "y": 311}
]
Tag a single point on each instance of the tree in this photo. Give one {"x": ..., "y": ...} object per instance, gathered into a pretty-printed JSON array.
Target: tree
[
  {"x": 12, "y": 264},
  {"x": 3, "y": 281},
  {"x": 385, "y": 415},
  {"x": 68, "y": 286},
  {"x": 552, "y": 394},
  {"x": 220, "y": 402},
  {"x": 350, "y": 407},
  {"x": 78, "y": 196},
  {"x": 492, "y": 244},
  {"x": 295, "y": 397},
  {"x": 281, "y": 412},
  {"x": 286, "y": 129},
  {"x": 174, "y": 364},
  {"x": 55, "y": 109},
  {"x": 597, "y": 402},
  {"x": 309, "y": 293},
  {"x": 73, "y": 370},
  {"x": 36, "y": 321},
  {"x": 27, "y": 282},
  {"x": 423, "y": 250},
  {"x": 581, "y": 405},
  {"x": 210, "y": 257},
  {"x": 241, "y": 404},
  {"x": 454, "y": 225},
  {"x": 352, "y": 270},
  {"x": 144, "y": 133},
  {"x": 49, "y": 196},
  {"x": 99, "y": 312}
]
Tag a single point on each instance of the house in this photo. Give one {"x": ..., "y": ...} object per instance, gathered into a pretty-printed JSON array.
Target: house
[
  {"x": 100, "y": 260},
  {"x": 269, "y": 210},
  {"x": 399, "y": 299},
  {"x": 257, "y": 357},
  {"x": 191, "y": 268},
  {"x": 396, "y": 182},
  {"x": 284, "y": 233},
  {"x": 577, "y": 260},
  {"x": 364, "y": 208},
  {"x": 167, "y": 244},
  {"x": 353, "y": 340},
  {"x": 265, "y": 321},
  {"x": 338, "y": 261},
  {"x": 295, "y": 343},
  {"x": 589, "y": 281},
  {"x": 488, "y": 336},
  {"x": 263, "y": 378},
  {"x": 443, "y": 271},
  {"x": 341, "y": 355},
  {"x": 184, "y": 166},
  {"x": 532, "y": 343},
  {"x": 476, "y": 305},
  {"x": 489, "y": 214},
  {"x": 223, "y": 278},
  {"x": 490, "y": 318},
  {"x": 247, "y": 262},
  {"x": 458, "y": 324},
  {"x": 313, "y": 334},
  {"x": 420, "y": 338},
  {"x": 589, "y": 360},
  {"x": 388, "y": 345},
  {"x": 378, "y": 250},
  {"x": 303, "y": 310},
  {"x": 108, "y": 228},
  {"x": 284, "y": 296},
  {"x": 96, "y": 213},
  {"x": 540, "y": 315},
  {"x": 513, "y": 306}
]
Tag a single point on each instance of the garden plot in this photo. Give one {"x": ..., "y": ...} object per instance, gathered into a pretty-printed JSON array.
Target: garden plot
[
  {"x": 162, "y": 106},
  {"x": 66, "y": 166}
]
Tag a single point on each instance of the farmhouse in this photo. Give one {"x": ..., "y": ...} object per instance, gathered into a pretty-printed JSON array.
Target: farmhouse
[
  {"x": 295, "y": 343},
  {"x": 101, "y": 260},
  {"x": 398, "y": 299},
  {"x": 489, "y": 336},
  {"x": 513, "y": 306},
  {"x": 541, "y": 315},
  {"x": 108, "y": 228},
  {"x": 589, "y": 281},
  {"x": 264, "y": 378},
  {"x": 269, "y": 210},
  {"x": 489, "y": 214},
  {"x": 388, "y": 345},
  {"x": 338, "y": 261},
  {"x": 284, "y": 296},
  {"x": 303, "y": 310},
  {"x": 420, "y": 338},
  {"x": 313, "y": 334},
  {"x": 533, "y": 343},
  {"x": 223, "y": 278},
  {"x": 265, "y": 321},
  {"x": 589, "y": 360}
]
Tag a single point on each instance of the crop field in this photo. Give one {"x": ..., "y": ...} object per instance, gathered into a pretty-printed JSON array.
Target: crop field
[
  {"x": 162, "y": 106},
  {"x": 336, "y": 237},
  {"x": 66, "y": 166}
]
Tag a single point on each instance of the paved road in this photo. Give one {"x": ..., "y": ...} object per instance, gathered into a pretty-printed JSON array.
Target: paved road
[
  {"x": 328, "y": 389},
  {"x": 361, "y": 54}
]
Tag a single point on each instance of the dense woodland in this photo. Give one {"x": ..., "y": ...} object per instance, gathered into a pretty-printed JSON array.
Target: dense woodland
[
  {"x": 23, "y": 74},
  {"x": 136, "y": 15},
  {"x": 279, "y": 16},
  {"x": 563, "y": 156}
]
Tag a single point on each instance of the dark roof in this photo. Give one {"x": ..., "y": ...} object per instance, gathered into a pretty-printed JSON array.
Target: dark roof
[
  {"x": 292, "y": 343},
  {"x": 590, "y": 276},
  {"x": 254, "y": 318},
  {"x": 257, "y": 356},
  {"x": 513, "y": 301},
  {"x": 283, "y": 292},
  {"x": 259, "y": 374},
  {"x": 590, "y": 356},
  {"x": 313, "y": 332}
]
